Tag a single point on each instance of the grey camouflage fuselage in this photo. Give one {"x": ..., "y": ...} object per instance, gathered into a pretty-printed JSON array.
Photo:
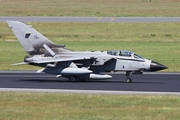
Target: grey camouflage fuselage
[{"x": 77, "y": 65}]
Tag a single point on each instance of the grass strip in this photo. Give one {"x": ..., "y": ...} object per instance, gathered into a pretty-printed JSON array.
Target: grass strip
[
  {"x": 111, "y": 8},
  {"x": 43, "y": 106}
]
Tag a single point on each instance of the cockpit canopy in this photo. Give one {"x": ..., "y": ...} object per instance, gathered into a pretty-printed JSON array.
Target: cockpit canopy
[{"x": 124, "y": 53}]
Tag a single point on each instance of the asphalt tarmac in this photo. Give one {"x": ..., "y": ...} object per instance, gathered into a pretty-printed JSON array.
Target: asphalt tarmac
[
  {"x": 148, "y": 82},
  {"x": 151, "y": 82}
]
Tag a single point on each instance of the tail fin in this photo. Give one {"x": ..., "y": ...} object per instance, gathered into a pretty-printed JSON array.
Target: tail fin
[{"x": 31, "y": 40}]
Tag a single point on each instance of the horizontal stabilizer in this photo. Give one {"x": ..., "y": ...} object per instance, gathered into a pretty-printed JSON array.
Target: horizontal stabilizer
[
  {"x": 58, "y": 46},
  {"x": 22, "y": 63}
]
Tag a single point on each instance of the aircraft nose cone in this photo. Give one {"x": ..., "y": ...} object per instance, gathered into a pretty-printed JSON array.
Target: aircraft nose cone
[{"x": 155, "y": 66}]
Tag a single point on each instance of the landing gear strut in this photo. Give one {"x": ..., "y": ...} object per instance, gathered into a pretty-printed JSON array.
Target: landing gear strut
[{"x": 128, "y": 75}]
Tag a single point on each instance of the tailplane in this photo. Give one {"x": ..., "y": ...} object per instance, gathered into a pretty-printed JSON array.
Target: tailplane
[{"x": 31, "y": 40}]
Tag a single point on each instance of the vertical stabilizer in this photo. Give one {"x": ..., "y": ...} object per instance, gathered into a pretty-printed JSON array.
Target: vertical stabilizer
[{"x": 31, "y": 40}]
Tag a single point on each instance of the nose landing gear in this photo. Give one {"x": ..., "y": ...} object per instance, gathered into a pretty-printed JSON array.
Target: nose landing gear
[
  {"x": 128, "y": 75},
  {"x": 128, "y": 80}
]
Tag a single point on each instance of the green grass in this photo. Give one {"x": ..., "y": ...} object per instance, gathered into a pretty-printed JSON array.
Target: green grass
[
  {"x": 54, "y": 106},
  {"x": 156, "y": 41},
  {"x": 111, "y": 8}
]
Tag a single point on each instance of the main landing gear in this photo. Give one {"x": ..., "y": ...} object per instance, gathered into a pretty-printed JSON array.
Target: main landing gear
[
  {"x": 74, "y": 79},
  {"x": 128, "y": 75}
]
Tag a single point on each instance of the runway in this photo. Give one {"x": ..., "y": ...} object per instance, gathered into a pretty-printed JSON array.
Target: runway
[
  {"x": 89, "y": 19},
  {"x": 148, "y": 82}
]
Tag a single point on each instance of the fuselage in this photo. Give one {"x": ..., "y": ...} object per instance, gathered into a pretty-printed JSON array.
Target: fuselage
[{"x": 101, "y": 61}]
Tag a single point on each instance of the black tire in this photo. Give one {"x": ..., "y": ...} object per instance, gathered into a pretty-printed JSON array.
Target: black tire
[
  {"x": 72, "y": 79},
  {"x": 128, "y": 80}
]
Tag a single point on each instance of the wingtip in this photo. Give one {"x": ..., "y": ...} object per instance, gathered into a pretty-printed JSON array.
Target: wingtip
[{"x": 22, "y": 63}]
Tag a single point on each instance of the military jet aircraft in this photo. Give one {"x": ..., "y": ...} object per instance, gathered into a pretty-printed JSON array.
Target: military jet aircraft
[{"x": 77, "y": 65}]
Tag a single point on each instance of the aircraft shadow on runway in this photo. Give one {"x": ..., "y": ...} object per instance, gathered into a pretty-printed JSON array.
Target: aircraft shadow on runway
[{"x": 87, "y": 81}]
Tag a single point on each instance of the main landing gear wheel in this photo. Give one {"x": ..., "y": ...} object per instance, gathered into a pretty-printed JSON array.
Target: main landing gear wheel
[
  {"x": 128, "y": 74},
  {"x": 128, "y": 80},
  {"x": 72, "y": 79}
]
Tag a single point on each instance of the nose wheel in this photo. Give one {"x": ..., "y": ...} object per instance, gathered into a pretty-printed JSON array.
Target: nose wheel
[
  {"x": 128, "y": 75},
  {"x": 128, "y": 80}
]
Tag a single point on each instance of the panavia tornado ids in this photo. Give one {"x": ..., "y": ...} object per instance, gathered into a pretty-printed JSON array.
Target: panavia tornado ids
[{"x": 77, "y": 65}]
